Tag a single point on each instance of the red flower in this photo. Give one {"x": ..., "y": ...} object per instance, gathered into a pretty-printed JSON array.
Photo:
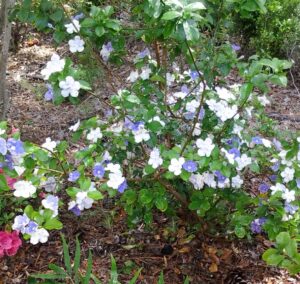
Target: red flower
[{"x": 9, "y": 243}]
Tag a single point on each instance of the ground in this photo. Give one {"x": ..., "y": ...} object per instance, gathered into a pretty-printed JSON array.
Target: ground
[{"x": 176, "y": 252}]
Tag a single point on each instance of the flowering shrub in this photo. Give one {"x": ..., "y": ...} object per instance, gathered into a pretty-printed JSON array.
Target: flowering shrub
[{"x": 175, "y": 138}]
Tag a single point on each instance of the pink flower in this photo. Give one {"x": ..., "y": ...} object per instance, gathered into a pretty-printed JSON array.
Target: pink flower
[{"x": 9, "y": 243}]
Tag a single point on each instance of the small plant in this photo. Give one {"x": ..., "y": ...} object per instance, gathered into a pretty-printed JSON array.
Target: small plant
[{"x": 71, "y": 273}]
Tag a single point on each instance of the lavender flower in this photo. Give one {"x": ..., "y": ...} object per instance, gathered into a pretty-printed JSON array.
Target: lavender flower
[
  {"x": 123, "y": 186},
  {"x": 3, "y": 147},
  {"x": 98, "y": 171},
  {"x": 31, "y": 227},
  {"x": 144, "y": 53},
  {"x": 263, "y": 188},
  {"x": 194, "y": 75},
  {"x": 257, "y": 140},
  {"x": 236, "y": 47},
  {"x": 76, "y": 210},
  {"x": 273, "y": 178},
  {"x": 256, "y": 225},
  {"x": 220, "y": 177},
  {"x": 15, "y": 147},
  {"x": 49, "y": 95},
  {"x": 275, "y": 167},
  {"x": 73, "y": 176},
  {"x": 291, "y": 209},
  {"x": 235, "y": 151},
  {"x": 190, "y": 166}
]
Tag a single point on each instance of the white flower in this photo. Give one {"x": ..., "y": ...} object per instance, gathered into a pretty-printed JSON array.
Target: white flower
[
  {"x": 170, "y": 78},
  {"x": 51, "y": 202},
  {"x": 263, "y": 100},
  {"x": 209, "y": 179},
  {"x": 176, "y": 165},
  {"x": 94, "y": 135},
  {"x": 73, "y": 27},
  {"x": 106, "y": 50},
  {"x": 54, "y": 65},
  {"x": 115, "y": 180},
  {"x": 266, "y": 143},
  {"x": 192, "y": 106},
  {"x": 83, "y": 201},
  {"x": 116, "y": 128},
  {"x": 134, "y": 75},
  {"x": 76, "y": 44},
  {"x": 49, "y": 184},
  {"x": 49, "y": 144},
  {"x": 205, "y": 147},
  {"x": 69, "y": 87},
  {"x": 155, "y": 159},
  {"x": 39, "y": 236},
  {"x": 157, "y": 118},
  {"x": 114, "y": 168},
  {"x": 278, "y": 188},
  {"x": 180, "y": 95},
  {"x": 222, "y": 109},
  {"x": 236, "y": 182},
  {"x": 197, "y": 129},
  {"x": 288, "y": 174},
  {"x": 224, "y": 94},
  {"x": 237, "y": 129},
  {"x": 75, "y": 126},
  {"x": 145, "y": 75},
  {"x": 24, "y": 189},
  {"x": 141, "y": 134},
  {"x": 197, "y": 180},
  {"x": 243, "y": 161},
  {"x": 230, "y": 157},
  {"x": 288, "y": 195}
]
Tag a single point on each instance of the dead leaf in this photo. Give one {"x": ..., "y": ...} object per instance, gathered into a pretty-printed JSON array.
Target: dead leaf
[
  {"x": 185, "y": 250},
  {"x": 213, "y": 268}
]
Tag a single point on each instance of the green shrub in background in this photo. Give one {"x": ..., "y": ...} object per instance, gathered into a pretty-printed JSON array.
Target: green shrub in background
[{"x": 273, "y": 33}]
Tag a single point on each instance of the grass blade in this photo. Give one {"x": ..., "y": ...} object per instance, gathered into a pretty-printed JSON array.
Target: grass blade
[
  {"x": 88, "y": 269},
  {"x": 114, "y": 272},
  {"x": 77, "y": 260},
  {"x": 95, "y": 279},
  {"x": 161, "y": 279},
  {"x": 135, "y": 277},
  {"x": 67, "y": 258}
]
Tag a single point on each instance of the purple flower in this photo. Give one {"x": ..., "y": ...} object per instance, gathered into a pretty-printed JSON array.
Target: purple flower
[
  {"x": 73, "y": 176},
  {"x": 298, "y": 182},
  {"x": 277, "y": 144},
  {"x": 275, "y": 167},
  {"x": 263, "y": 188},
  {"x": 220, "y": 177},
  {"x": 76, "y": 210},
  {"x": 98, "y": 171},
  {"x": 136, "y": 126},
  {"x": 3, "y": 147},
  {"x": 143, "y": 53},
  {"x": 189, "y": 115},
  {"x": 273, "y": 178},
  {"x": 78, "y": 16},
  {"x": 256, "y": 225},
  {"x": 235, "y": 47},
  {"x": 123, "y": 186},
  {"x": 15, "y": 147},
  {"x": 185, "y": 89},
  {"x": 257, "y": 140},
  {"x": 235, "y": 151},
  {"x": 190, "y": 166},
  {"x": 31, "y": 227},
  {"x": 49, "y": 95},
  {"x": 194, "y": 75},
  {"x": 202, "y": 113},
  {"x": 290, "y": 209}
]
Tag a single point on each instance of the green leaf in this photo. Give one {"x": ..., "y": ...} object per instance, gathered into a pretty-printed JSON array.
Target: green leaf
[
  {"x": 239, "y": 231},
  {"x": 133, "y": 99},
  {"x": 57, "y": 269},
  {"x": 88, "y": 23},
  {"x": 246, "y": 90},
  {"x": 161, "y": 279},
  {"x": 171, "y": 15},
  {"x": 49, "y": 276},
  {"x": 279, "y": 80},
  {"x": 272, "y": 257},
  {"x": 146, "y": 196},
  {"x": 291, "y": 248},
  {"x": 191, "y": 31},
  {"x": 161, "y": 203},
  {"x": 100, "y": 31},
  {"x": 84, "y": 85},
  {"x": 135, "y": 277},
  {"x": 283, "y": 239},
  {"x": 89, "y": 268},
  {"x": 3, "y": 183},
  {"x": 53, "y": 224},
  {"x": 67, "y": 258},
  {"x": 194, "y": 7},
  {"x": 57, "y": 15},
  {"x": 96, "y": 195}
]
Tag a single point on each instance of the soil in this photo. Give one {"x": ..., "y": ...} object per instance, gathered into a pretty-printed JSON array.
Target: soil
[{"x": 168, "y": 246}]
